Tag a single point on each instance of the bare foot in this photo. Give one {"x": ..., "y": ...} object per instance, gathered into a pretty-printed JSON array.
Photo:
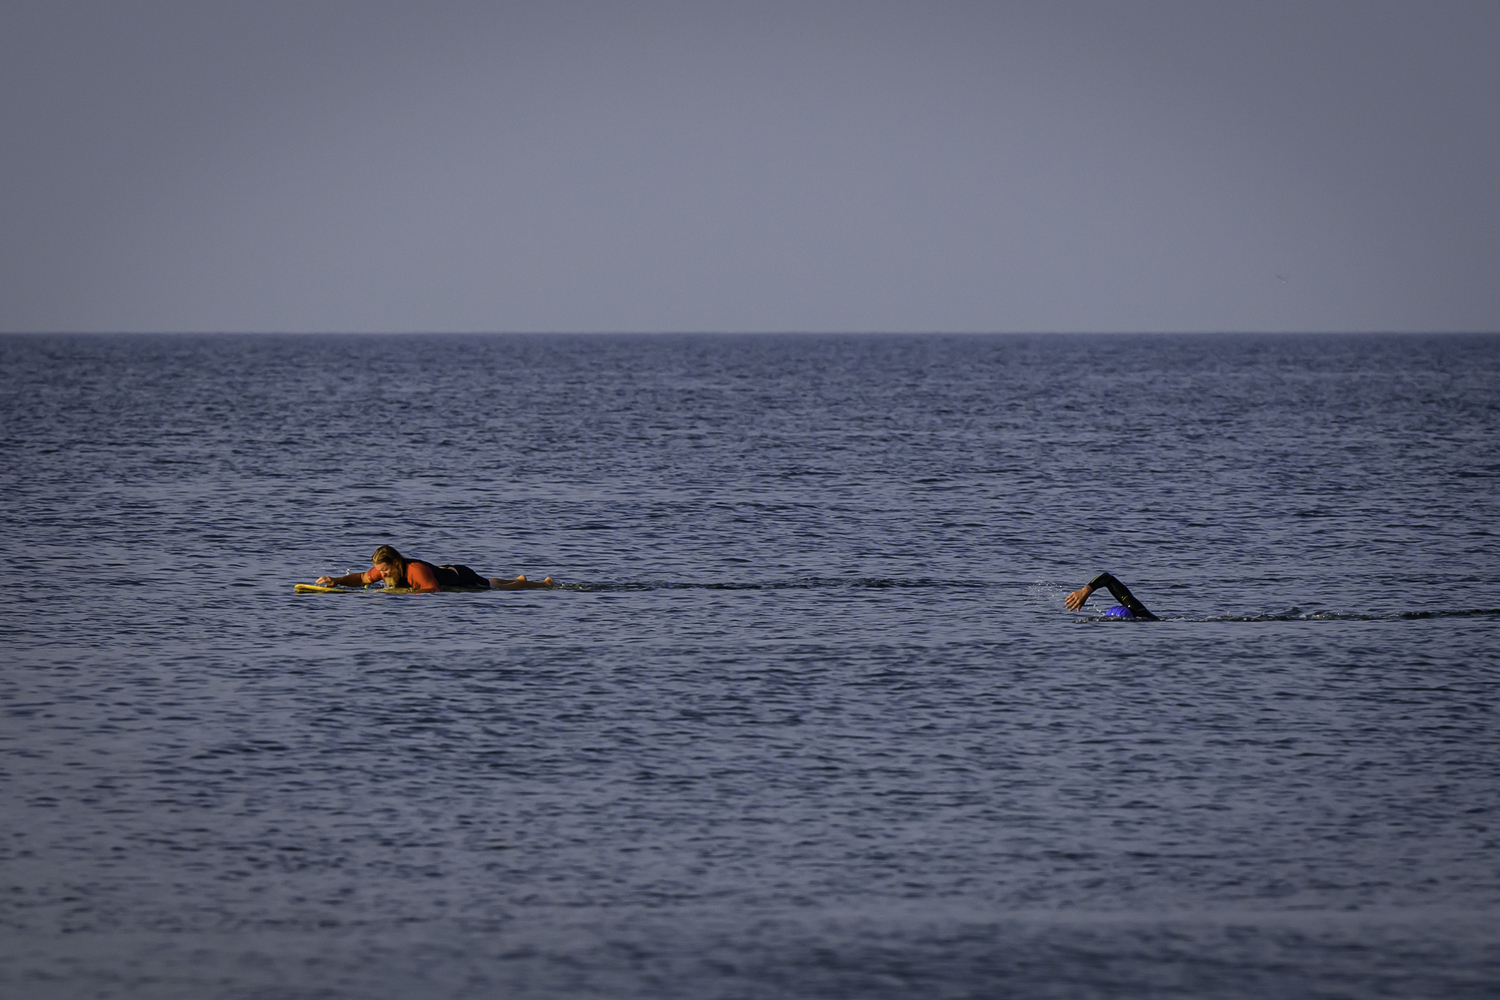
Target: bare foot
[{"x": 549, "y": 583}]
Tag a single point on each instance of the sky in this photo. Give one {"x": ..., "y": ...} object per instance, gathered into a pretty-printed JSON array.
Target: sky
[{"x": 1062, "y": 165}]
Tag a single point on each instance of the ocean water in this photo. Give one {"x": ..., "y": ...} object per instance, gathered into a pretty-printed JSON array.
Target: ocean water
[{"x": 808, "y": 718}]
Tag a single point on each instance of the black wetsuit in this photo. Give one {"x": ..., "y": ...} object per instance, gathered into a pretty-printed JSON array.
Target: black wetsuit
[
  {"x": 1123, "y": 595},
  {"x": 456, "y": 576}
]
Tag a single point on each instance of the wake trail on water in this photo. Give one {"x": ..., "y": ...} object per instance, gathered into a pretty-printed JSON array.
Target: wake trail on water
[
  {"x": 1307, "y": 616},
  {"x": 1051, "y": 594},
  {"x": 1043, "y": 593},
  {"x": 1345, "y": 616},
  {"x": 625, "y": 586},
  {"x": 812, "y": 583},
  {"x": 925, "y": 583}
]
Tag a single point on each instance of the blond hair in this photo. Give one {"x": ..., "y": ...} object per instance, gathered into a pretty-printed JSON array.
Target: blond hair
[{"x": 386, "y": 554}]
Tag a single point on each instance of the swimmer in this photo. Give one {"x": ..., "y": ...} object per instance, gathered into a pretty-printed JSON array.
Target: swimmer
[
  {"x": 1128, "y": 607},
  {"x": 398, "y": 571}
]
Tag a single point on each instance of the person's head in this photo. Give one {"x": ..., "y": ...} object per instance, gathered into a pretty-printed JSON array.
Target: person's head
[{"x": 391, "y": 565}]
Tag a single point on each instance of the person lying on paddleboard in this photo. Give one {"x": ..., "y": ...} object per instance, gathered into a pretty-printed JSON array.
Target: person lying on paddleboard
[
  {"x": 398, "y": 571},
  {"x": 1128, "y": 607}
]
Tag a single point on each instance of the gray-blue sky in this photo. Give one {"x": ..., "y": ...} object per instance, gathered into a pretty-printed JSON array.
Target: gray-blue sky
[{"x": 1054, "y": 165}]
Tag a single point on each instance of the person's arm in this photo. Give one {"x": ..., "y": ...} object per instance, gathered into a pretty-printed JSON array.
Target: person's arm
[
  {"x": 351, "y": 579},
  {"x": 1121, "y": 593}
]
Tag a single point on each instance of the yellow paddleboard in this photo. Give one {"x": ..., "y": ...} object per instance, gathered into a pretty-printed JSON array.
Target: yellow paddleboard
[{"x": 313, "y": 588}]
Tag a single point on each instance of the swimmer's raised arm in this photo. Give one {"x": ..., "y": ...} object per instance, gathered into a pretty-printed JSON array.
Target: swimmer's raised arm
[{"x": 1121, "y": 593}]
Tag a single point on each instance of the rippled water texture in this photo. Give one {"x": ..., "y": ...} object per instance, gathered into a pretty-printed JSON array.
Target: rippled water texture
[{"x": 809, "y": 719}]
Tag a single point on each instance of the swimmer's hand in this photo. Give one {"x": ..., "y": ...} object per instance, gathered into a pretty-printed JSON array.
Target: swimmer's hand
[
  {"x": 324, "y": 581},
  {"x": 1075, "y": 600}
]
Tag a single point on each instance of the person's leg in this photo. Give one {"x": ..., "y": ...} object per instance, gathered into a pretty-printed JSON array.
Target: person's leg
[{"x": 521, "y": 583}]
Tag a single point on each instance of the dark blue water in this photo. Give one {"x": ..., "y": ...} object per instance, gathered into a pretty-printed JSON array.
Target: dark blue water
[{"x": 810, "y": 719}]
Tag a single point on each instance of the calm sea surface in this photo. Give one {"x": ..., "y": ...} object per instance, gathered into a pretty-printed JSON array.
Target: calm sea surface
[{"x": 809, "y": 719}]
